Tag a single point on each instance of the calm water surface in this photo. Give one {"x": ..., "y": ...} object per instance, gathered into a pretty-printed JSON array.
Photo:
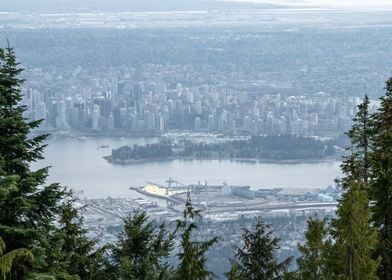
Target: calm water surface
[{"x": 78, "y": 164}]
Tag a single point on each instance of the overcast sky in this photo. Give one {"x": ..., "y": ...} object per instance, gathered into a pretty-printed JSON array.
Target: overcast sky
[
  {"x": 332, "y": 3},
  {"x": 179, "y": 5}
]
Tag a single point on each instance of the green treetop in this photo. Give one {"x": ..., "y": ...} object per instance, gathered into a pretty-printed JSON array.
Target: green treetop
[
  {"x": 355, "y": 238},
  {"x": 27, "y": 211},
  {"x": 255, "y": 259},
  {"x": 141, "y": 249},
  {"x": 192, "y": 255},
  {"x": 311, "y": 263},
  {"x": 358, "y": 164},
  {"x": 74, "y": 255},
  {"x": 381, "y": 185}
]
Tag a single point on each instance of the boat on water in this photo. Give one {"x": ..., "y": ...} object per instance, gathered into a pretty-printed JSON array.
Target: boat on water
[{"x": 106, "y": 146}]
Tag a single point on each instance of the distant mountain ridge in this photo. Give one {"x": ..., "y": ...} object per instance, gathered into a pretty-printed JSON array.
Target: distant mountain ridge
[{"x": 44, "y": 6}]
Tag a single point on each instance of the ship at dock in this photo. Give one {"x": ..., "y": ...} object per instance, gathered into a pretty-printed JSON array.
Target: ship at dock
[{"x": 229, "y": 198}]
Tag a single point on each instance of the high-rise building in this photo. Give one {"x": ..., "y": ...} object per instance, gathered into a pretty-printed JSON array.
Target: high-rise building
[
  {"x": 111, "y": 122},
  {"x": 95, "y": 115},
  {"x": 40, "y": 113}
]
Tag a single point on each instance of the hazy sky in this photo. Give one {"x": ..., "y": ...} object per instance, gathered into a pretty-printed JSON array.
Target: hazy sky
[
  {"x": 331, "y": 3},
  {"x": 170, "y": 5}
]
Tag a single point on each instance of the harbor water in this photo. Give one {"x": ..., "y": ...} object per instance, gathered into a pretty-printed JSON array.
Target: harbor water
[{"x": 78, "y": 163}]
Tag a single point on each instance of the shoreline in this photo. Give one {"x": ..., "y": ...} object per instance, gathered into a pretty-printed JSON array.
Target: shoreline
[
  {"x": 78, "y": 134},
  {"x": 244, "y": 160}
]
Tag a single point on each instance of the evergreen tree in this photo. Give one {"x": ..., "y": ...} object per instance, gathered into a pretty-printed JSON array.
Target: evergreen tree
[
  {"x": 141, "y": 249},
  {"x": 73, "y": 255},
  {"x": 7, "y": 185},
  {"x": 355, "y": 238},
  {"x": 27, "y": 212},
  {"x": 311, "y": 263},
  {"x": 7, "y": 259},
  {"x": 381, "y": 185},
  {"x": 255, "y": 259},
  {"x": 358, "y": 164},
  {"x": 192, "y": 255}
]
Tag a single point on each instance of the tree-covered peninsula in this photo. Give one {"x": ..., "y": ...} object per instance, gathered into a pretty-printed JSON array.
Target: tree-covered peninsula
[{"x": 271, "y": 147}]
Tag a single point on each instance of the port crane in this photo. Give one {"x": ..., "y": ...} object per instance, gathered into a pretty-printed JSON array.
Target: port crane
[{"x": 170, "y": 182}]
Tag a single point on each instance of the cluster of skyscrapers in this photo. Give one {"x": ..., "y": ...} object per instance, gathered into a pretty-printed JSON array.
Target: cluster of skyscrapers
[{"x": 154, "y": 100}]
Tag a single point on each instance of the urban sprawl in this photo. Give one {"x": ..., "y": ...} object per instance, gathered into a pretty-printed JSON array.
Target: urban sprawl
[{"x": 154, "y": 99}]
